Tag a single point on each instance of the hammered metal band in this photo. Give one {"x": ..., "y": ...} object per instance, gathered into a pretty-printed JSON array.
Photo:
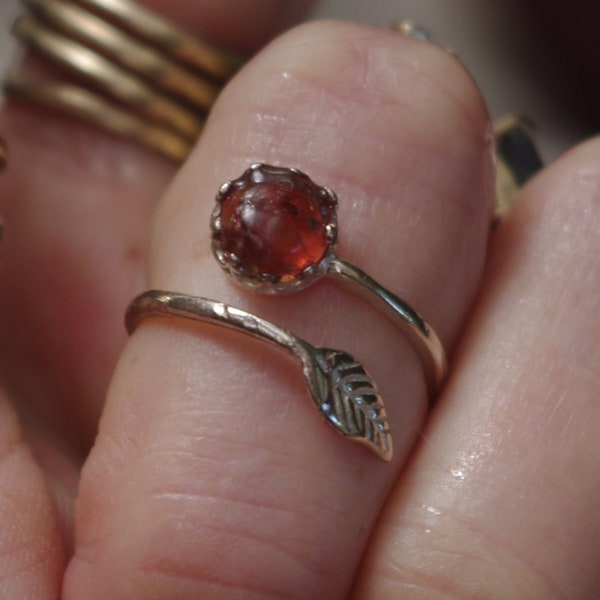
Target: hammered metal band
[
  {"x": 138, "y": 75},
  {"x": 275, "y": 231},
  {"x": 340, "y": 387}
]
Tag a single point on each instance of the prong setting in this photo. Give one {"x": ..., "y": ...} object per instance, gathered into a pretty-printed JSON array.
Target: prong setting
[{"x": 300, "y": 203}]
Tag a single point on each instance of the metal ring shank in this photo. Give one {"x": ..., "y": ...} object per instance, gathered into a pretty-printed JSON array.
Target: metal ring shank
[
  {"x": 172, "y": 39},
  {"x": 158, "y": 303},
  {"x": 417, "y": 330}
]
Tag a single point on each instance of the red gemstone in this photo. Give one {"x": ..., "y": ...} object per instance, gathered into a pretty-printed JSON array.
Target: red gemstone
[{"x": 273, "y": 223}]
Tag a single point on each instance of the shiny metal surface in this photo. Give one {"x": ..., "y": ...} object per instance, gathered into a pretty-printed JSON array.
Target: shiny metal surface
[
  {"x": 517, "y": 160},
  {"x": 341, "y": 389},
  {"x": 132, "y": 72},
  {"x": 121, "y": 49},
  {"x": 101, "y": 74},
  {"x": 74, "y": 101},
  {"x": 420, "y": 334}
]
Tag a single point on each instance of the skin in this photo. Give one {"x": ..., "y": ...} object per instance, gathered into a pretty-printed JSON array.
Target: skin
[{"x": 210, "y": 475}]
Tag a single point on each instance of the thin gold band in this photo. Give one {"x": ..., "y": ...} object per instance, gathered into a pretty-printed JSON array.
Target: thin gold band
[
  {"x": 171, "y": 39},
  {"x": 517, "y": 160},
  {"x": 139, "y": 76},
  {"x": 73, "y": 101}
]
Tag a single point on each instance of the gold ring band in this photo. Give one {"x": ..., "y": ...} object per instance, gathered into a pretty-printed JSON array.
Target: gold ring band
[
  {"x": 341, "y": 388},
  {"x": 517, "y": 160},
  {"x": 143, "y": 78},
  {"x": 74, "y": 101},
  {"x": 171, "y": 39}
]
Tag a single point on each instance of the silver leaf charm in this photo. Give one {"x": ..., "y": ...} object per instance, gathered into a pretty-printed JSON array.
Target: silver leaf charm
[{"x": 347, "y": 396}]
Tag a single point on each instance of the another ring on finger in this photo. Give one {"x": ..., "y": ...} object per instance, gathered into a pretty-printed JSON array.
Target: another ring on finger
[{"x": 139, "y": 75}]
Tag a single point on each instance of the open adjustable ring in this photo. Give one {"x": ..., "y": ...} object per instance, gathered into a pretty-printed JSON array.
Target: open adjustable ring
[{"x": 275, "y": 231}]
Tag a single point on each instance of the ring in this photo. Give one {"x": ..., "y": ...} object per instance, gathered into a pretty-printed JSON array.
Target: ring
[
  {"x": 517, "y": 161},
  {"x": 275, "y": 231},
  {"x": 340, "y": 387},
  {"x": 144, "y": 78}
]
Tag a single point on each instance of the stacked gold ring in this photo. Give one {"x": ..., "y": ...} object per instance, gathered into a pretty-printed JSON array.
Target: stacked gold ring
[{"x": 137, "y": 74}]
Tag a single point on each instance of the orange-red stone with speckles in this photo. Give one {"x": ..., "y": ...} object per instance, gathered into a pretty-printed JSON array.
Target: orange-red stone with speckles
[{"x": 276, "y": 226}]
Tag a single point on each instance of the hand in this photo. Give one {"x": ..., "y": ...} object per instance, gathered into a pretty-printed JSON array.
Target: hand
[{"x": 211, "y": 475}]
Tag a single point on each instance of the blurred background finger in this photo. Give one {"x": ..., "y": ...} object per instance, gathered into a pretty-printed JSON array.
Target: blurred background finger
[{"x": 500, "y": 499}]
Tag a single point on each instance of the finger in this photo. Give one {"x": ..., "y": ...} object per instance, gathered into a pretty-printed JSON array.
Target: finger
[
  {"x": 78, "y": 204},
  {"x": 222, "y": 479},
  {"x": 32, "y": 553},
  {"x": 501, "y": 498}
]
